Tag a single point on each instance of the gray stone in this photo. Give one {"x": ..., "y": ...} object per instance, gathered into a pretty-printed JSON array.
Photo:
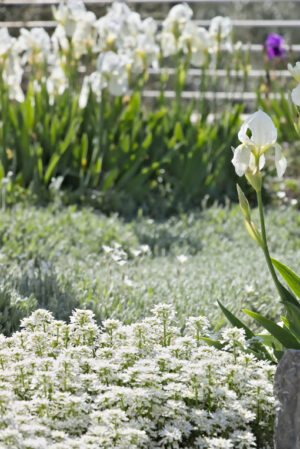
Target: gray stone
[{"x": 287, "y": 393}]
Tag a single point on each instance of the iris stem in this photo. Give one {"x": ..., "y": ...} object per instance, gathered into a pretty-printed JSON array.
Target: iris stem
[{"x": 265, "y": 247}]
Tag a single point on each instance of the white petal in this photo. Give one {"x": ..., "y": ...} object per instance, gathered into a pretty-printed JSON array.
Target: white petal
[
  {"x": 296, "y": 95},
  {"x": 168, "y": 44},
  {"x": 280, "y": 162},
  {"x": 118, "y": 85},
  {"x": 252, "y": 164},
  {"x": 180, "y": 13},
  {"x": 241, "y": 159},
  {"x": 295, "y": 71},
  {"x": 84, "y": 93},
  {"x": 198, "y": 58},
  {"x": 263, "y": 131},
  {"x": 262, "y": 161},
  {"x": 220, "y": 26}
]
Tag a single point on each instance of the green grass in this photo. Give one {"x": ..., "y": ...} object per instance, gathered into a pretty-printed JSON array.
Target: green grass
[{"x": 56, "y": 256}]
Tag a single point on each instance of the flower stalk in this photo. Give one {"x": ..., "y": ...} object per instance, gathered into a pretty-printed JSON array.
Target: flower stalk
[
  {"x": 257, "y": 135},
  {"x": 265, "y": 243}
]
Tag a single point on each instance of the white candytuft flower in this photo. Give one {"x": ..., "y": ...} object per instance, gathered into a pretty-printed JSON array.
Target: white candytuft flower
[{"x": 182, "y": 258}]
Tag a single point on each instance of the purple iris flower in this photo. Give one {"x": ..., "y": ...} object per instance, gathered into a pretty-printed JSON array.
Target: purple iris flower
[{"x": 275, "y": 46}]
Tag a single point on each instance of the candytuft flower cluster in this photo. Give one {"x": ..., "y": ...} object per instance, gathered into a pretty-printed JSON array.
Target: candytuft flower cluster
[{"x": 140, "y": 386}]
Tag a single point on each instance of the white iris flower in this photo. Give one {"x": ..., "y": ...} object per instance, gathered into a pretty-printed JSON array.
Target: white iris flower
[
  {"x": 257, "y": 134},
  {"x": 220, "y": 27},
  {"x": 296, "y": 95},
  {"x": 111, "y": 73},
  {"x": 10, "y": 66},
  {"x": 196, "y": 41},
  {"x": 93, "y": 82},
  {"x": 220, "y": 32},
  {"x": 36, "y": 45},
  {"x": 68, "y": 14},
  {"x": 114, "y": 70},
  {"x": 177, "y": 18},
  {"x": 84, "y": 37},
  {"x": 295, "y": 71},
  {"x": 6, "y": 42},
  {"x": 57, "y": 83}
]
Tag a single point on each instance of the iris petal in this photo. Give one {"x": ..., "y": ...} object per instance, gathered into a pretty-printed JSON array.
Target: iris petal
[
  {"x": 296, "y": 95},
  {"x": 262, "y": 161},
  {"x": 280, "y": 162},
  {"x": 263, "y": 130},
  {"x": 241, "y": 159}
]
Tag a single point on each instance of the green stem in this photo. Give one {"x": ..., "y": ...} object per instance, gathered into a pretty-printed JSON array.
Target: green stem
[
  {"x": 102, "y": 134},
  {"x": 177, "y": 86},
  {"x": 202, "y": 91},
  {"x": 3, "y": 198},
  {"x": 265, "y": 247},
  {"x": 4, "y": 117}
]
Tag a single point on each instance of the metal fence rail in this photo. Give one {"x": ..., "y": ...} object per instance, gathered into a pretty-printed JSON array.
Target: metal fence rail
[
  {"x": 220, "y": 73},
  {"x": 204, "y": 23},
  {"x": 105, "y": 2},
  {"x": 189, "y": 95}
]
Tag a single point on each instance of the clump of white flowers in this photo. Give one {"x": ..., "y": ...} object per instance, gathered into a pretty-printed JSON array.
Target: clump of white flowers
[
  {"x": 35, "y": 44},
  {"x": 113, "y": 51},
  {"x": 127, "y": 45},
  {"x": 181, "y": 34},
  {"x": 11, "y": 70},
  {"x": 220, "y": 30},
  {"x": 143, "y": 385}
]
